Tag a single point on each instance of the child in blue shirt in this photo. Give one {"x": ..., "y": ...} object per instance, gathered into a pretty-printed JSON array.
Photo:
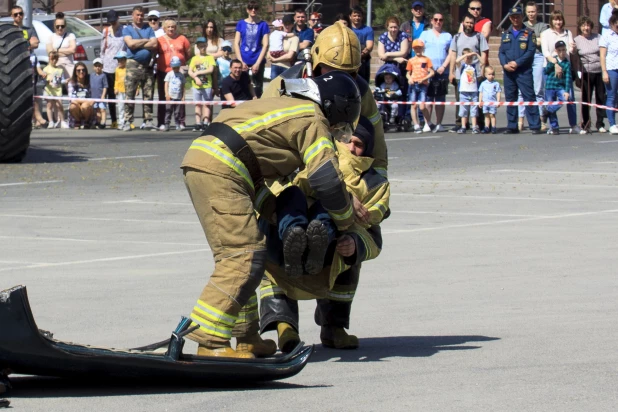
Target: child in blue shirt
[{"x": 489, "y": 91}]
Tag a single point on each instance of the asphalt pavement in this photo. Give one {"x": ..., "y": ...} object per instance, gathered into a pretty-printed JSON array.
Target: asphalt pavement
[{"x": 496, "y": 288}]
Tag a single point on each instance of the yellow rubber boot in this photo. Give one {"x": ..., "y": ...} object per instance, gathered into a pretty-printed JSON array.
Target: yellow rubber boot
[
  {"x": 337, "y": 338},
  {"x": 288, "y": 337},
  {"x": 222, "y": 352},
  {"x": 255, "y": 345}
]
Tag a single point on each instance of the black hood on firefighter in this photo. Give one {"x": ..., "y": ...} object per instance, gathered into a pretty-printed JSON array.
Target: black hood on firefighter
[{"x": 364, "y": 131}]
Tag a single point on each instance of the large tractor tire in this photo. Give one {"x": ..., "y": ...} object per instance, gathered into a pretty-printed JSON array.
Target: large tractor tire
[{"x": 16, "y": 90}]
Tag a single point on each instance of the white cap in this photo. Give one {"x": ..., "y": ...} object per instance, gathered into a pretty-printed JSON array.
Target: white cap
[
  {"x": 154, "y": 13},
  {"x": 97, "y": 60}
]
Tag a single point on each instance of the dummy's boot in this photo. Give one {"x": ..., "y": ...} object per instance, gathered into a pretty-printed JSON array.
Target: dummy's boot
[
  {"x": 222, "y": 352},
  {"x": 294, "y": 245},
  {"x": 337, "y": 338},
  {"x": 254, "y": 344},
  {"x": 317, "y": 243},
  {"x": 288, "y": 337}
]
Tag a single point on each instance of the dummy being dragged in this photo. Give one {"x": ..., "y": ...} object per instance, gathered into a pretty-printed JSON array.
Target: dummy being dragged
[{"x": 309, "y": 258}]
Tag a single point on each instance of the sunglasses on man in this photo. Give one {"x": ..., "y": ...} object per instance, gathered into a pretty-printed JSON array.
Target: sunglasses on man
[
  {"x": 60, "y": 26},
  {"x": 153, "y": 19},
  {"x": 256, "y": 8},
  {"x": 20, "y": 13},
  {"x": 475, "y": 8}
]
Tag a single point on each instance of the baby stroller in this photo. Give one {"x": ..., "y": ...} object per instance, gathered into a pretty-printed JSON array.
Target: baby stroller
[{"x": 391, "y": 93}]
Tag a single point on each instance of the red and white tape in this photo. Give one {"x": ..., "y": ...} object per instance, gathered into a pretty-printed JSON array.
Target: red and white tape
[
  {"x": 211, "y": 103},
  {"x": 230, "y": 103}
]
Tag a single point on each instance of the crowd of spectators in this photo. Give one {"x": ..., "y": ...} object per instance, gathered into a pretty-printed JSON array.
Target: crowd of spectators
[
  {"x": 592, "y": 63},
  {"x": 138, "y": 57}
]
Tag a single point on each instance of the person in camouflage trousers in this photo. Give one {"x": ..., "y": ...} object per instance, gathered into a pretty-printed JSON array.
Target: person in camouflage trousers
[{"x": 141, "y": 44}]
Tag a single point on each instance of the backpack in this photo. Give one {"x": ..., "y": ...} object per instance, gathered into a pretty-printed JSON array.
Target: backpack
[{"x": 478, "y": 38}]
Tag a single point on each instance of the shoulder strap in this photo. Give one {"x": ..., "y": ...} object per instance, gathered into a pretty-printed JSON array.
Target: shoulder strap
[
  {"x": 61, "y": 41},
  {"x": 105, "y": 35},
  {"x": 137, "y": 32}
]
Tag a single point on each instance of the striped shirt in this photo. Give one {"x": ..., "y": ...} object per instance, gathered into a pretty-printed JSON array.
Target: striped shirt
[
  {"x": 610, "y": 42},
  {"x": 588, "y": 51}
]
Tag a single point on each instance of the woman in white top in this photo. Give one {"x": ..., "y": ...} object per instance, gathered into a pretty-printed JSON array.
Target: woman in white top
[
  {"x": 213, "y": 41},
  {"x": 64, "y": 43},
  {"x": 549, "y": 38}
]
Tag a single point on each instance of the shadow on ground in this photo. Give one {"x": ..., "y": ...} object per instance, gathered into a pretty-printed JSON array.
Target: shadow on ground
[
  {"x": 46, "y": 387},
  {"x": 379, "y": 349},
  {"x": 37, "y": 154}
]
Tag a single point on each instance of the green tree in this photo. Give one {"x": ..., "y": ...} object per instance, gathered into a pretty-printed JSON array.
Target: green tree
[
  {"x": 221, "y": 11},
  {"x": 383, "y": 9}
]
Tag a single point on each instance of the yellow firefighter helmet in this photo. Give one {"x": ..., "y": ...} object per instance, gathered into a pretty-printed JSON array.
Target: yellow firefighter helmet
[{"x": 338, "y": 47}]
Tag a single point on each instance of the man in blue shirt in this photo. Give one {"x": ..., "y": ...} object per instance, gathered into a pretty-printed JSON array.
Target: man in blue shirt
[
  {"x": 415, "y": 27},
  {"x": 141, "y": 44},
  {"x": 305, "y": 34},
  {"x": 365, "y": 37}
]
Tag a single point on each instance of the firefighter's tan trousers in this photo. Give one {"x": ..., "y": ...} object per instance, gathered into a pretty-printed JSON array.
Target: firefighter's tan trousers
[{"x": 225, "y": 209}]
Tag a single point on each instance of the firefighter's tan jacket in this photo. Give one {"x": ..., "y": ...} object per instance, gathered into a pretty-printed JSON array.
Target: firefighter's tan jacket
[
  {"x": 285, "y": 133},
  {"x": 362, "y": 181},
  {"x": 369, "y": 109}
]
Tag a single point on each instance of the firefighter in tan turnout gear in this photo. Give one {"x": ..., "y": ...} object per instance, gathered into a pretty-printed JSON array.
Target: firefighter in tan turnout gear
[
  {"x": 224, "y": 171},
  {"x": 336, "y": 48}
]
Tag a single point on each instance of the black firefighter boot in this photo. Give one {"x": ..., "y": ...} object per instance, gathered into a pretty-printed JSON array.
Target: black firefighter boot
[
  {"x": 294, "y": 245},
  {"x": 317, "y": 244}
]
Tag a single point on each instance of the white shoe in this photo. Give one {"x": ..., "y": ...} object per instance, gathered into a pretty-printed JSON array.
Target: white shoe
[
  {"x": 64, "y": 125},
  {"x": 575, "y": 130},
  {"x": 57, "y": 125},
  {"x": 427, "y": 127},
  {"x": 162, "y": 128},
  {"x": 417, "y": 129},
  {"x": 613, "y": 129},
  {"x": 438, "y": 128},
  {"x": 602, "y": 130},
  {"x": 51, "y": 125}
]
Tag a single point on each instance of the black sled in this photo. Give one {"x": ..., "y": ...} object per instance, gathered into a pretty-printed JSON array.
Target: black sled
[{"x": 24, "y": 349}]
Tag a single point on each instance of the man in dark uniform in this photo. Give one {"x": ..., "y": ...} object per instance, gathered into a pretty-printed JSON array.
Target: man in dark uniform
[{"x": 517, "y": 48}]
